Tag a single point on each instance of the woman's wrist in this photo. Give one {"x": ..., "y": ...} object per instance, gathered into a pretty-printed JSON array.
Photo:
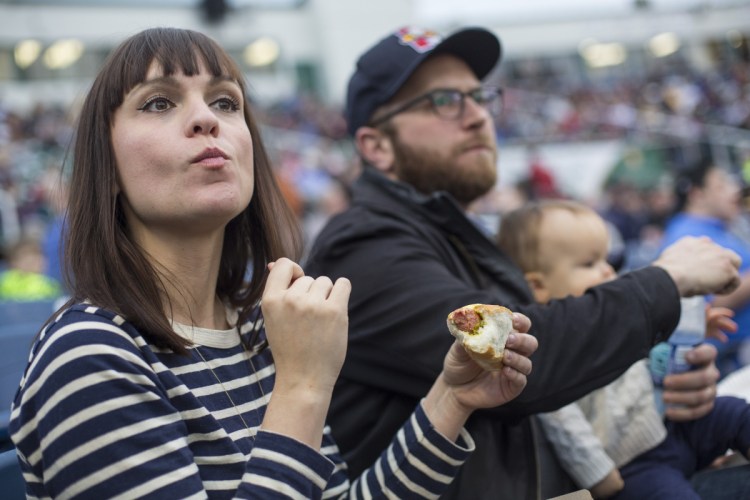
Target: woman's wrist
[
  {"x": 446, "y": 413},
  {"x": 298, "y": 414}
]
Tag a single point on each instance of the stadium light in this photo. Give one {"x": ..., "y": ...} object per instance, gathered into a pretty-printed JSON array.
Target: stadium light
[
  {"x": 601, "y": 55},
  {"x": 63, "y": 53},
  {"x": 27, "y": 52},
  {"x": 261, "y": 52},
  {"x": 664, "y": 44}
]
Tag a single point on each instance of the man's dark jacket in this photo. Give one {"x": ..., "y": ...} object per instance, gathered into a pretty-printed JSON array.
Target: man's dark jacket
[{"x": 412, "y": 259}]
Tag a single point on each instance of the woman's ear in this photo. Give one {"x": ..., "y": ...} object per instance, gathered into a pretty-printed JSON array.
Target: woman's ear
[
  {"x": 375, "y": 148},
  {"x": 538, "y": 286}
]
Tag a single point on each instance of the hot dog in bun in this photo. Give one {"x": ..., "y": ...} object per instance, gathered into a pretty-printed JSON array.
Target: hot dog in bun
[{"x": 483, "y": 330}]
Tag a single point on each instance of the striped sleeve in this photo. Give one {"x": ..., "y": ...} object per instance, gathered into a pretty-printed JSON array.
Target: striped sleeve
[
  {"x": 92, "y": 421},
  {"x": 282, "y": 467},
  {"x": 419, "y": 463}
]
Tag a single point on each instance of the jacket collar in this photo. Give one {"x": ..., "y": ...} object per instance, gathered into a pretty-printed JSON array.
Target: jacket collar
[{"x": 377, "y": 192}]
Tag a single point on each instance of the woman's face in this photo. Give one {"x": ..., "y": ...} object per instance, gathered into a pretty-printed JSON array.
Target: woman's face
[{"x": 184, "y": 153}]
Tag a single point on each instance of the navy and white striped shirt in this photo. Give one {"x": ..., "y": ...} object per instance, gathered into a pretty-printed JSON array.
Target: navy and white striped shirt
[{"x": 102, "y": 413}]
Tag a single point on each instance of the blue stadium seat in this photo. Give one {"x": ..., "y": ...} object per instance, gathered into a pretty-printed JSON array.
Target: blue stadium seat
[
  {"x": 36, "y": 311},
  {"x": 11, "y": 479},
  {"x": 19, "y": 324}
]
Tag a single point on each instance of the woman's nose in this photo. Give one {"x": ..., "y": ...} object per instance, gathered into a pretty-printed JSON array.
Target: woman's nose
[{"x": 202, "y": 120}]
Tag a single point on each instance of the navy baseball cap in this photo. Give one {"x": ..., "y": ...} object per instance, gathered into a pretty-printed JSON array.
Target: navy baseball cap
[{"x": 384, "y": 68}]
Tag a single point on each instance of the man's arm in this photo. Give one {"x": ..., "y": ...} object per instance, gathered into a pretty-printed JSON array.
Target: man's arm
[
  {"x": 403, "y": 290},
  {"x": 404, "y": 284}
]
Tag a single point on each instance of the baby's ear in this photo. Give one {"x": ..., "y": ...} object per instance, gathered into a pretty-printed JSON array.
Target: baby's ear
[{"x": 538, "y": 286}]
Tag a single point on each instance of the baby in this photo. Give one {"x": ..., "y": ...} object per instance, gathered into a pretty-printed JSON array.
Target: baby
[{"x": 613, "y": 441}]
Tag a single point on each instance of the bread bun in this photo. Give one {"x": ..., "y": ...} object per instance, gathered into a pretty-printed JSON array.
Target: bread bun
[{"x": 483, "y": 330}]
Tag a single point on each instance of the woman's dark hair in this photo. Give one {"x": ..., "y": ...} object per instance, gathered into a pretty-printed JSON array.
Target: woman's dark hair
[{"x": 104, "y": 265}]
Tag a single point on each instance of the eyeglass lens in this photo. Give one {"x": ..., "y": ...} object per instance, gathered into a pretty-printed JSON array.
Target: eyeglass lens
[{"x": 451, "y": 103}]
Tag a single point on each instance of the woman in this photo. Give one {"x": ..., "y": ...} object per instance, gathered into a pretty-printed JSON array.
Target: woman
[{"x": 163, "y": 377}]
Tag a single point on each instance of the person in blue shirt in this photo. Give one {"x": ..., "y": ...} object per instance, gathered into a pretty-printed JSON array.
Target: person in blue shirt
[{"x": 707, "y": 202}]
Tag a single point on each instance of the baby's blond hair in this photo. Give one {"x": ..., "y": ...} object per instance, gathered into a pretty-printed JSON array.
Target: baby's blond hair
[{"x": 519, "y": 231}]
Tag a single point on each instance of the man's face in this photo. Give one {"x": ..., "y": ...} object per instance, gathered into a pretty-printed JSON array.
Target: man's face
[{"x": 436, "y": 154}]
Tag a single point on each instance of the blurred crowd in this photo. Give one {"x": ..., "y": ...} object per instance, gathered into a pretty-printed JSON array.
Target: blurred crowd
[
  {"x": 674, "y": 99},
  {"x": 674, "y": 106}
]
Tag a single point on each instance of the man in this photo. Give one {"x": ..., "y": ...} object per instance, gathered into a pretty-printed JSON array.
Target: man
[
  {"x": 422, "y": 123},
  {"x": 708, "y": 202}
]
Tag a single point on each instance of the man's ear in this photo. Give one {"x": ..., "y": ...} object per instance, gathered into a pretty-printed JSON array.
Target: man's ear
[
  {"x": 375, "y": 148},
  {"x": 538, "y": 286}
]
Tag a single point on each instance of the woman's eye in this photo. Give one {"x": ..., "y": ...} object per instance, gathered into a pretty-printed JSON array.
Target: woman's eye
[
  {"x": 156, "y": 104},
  {"x": 227, "y": 104}
]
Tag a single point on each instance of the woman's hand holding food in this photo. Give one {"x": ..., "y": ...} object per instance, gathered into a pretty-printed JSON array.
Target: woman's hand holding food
[{"x": 464, "y": 386}]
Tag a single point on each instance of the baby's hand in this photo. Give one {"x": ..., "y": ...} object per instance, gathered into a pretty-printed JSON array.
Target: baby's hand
[
  {"x": 611, "y": 484},
  {"x": 718, "y": 321}
]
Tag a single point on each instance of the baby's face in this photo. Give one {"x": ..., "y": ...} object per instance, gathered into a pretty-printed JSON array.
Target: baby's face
[{"x": 574, "y": 252}]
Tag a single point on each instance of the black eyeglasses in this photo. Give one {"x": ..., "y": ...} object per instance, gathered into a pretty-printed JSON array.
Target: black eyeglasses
[{"x": 450, "y": 104}]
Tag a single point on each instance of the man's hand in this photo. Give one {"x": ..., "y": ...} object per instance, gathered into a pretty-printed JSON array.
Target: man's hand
[
  {"x": 699, "y": 266},
  {"x": 691, "y": 395}
]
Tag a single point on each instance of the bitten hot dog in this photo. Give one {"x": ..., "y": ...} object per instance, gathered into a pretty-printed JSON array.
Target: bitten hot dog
[{"x": 483, "y": 330}]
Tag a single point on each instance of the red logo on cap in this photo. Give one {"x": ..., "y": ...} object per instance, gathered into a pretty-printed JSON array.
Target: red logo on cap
[{"x": 418, "y": 39}]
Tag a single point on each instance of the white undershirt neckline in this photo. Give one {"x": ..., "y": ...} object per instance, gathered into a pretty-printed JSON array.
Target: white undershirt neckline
[{"x": 220, "y": 339}]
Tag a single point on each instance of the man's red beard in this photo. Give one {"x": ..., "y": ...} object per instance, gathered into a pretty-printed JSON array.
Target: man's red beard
[{"x": 429, "y": 172}]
